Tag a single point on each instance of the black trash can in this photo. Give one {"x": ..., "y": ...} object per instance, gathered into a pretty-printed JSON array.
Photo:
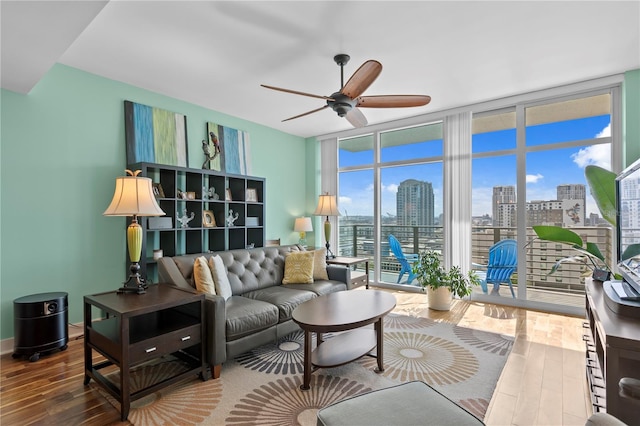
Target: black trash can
[{"x": 40, "y": 324}]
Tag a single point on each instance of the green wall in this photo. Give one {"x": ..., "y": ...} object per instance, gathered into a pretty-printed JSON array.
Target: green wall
[
  {"x": 62, "y": 147},
  {"x": 631, "y": 116}
]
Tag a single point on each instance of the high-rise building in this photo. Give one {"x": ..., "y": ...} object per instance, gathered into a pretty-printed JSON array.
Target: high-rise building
[
  {"x": 574, "y": 202},
  {"x": 503, "y": 202},
  {"x": 414, "y": 203},
  {"x": 573, "y": 191}
]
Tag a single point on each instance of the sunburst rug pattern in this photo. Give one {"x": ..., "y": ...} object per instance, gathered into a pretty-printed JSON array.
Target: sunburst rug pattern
[{"x": 262, "y": 387}]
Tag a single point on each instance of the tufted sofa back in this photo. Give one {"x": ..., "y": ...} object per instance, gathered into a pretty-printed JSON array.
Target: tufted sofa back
[{"x": 248, "y": 269}]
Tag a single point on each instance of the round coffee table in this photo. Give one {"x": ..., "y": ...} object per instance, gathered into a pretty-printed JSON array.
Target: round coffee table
[{"x": 341, "y": 311}]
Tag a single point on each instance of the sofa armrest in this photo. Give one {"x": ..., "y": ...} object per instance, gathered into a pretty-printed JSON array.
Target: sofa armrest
[
  {"x": 215, "y": 329},
  {"x": 340, "y": 273}
]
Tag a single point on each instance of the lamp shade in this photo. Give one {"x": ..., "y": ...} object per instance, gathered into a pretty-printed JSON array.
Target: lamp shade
[
  {"x": 303, "y": 224},
  {"x": 327, "y": 206},
  {"x": 133, "y": 196}
]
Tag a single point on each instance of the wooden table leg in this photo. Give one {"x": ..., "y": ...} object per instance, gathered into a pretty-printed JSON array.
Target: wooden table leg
[
  {"x": 125, "y": 391},
  {"x": 379, "y": 345},
  {"x": 88, "y": 362},
  {"x": 366, "y": 271},
  {"x": 306, "y": 377}
]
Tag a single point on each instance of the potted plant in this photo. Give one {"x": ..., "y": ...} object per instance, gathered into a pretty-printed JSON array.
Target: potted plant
[
  {"x": 442, "y": 285},
  {"x": 602, "y": 185}
]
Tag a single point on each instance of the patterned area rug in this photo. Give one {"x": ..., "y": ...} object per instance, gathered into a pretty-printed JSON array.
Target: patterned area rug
[{"x": 262, "y": 387}]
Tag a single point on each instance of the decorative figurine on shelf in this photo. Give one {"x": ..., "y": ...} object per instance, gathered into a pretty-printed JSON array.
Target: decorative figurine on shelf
[
  {"x": 209, "y": 194},
  {"x": 185, "y": 218},
  {"x": 231, "y": 218},
  {"x": 207, "y": 150}
]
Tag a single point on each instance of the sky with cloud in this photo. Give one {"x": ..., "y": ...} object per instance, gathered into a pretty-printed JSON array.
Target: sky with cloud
[{"x": 546, "y": 169}]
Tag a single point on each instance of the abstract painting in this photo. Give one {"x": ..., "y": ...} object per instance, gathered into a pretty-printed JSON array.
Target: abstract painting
[
  {"x": 234, "y": 147},
  {"x": 155, "y": 135}
]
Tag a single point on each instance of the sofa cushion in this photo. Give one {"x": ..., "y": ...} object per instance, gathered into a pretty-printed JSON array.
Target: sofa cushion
[
  {"x": 246, "y": 316},
  {"x": 202, "y": 276},
  {"x": 298, "y": 268},
  {"x": 320, "y": 264},
  {"x": 253, "y": 269},
  {"x": 285, "y": 298},
  {"x": 219, "y": 272},
  {"x": 321, "y": 287}
]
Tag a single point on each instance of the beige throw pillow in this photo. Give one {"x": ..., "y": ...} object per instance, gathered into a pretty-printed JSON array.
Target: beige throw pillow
[
  {"x": 202, "y": 276},
  {"x": 320, "y": 264},
  {"x": 298, "y": 268},
  {"x": 220, "y": 278}
]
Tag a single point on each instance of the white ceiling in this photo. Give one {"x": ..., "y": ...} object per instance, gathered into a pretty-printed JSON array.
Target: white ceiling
[{"x": 216, "y": 54}]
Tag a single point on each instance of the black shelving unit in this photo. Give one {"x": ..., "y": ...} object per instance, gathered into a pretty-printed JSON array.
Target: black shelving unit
[{"x": 248, "y": 228}]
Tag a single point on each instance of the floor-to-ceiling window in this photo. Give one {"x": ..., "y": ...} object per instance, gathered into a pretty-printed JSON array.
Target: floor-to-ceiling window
[
  {"x": 390, "y": 184},
  {"x": 533, "y": 174},
  {"x": 528, "y": 155}
]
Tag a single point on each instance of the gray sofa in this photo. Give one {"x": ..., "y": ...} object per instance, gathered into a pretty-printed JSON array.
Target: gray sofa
[{"x": 259, "y": 311}]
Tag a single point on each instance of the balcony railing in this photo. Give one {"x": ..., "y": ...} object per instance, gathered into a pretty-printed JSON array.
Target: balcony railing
[{"x": 357, "y": 240}]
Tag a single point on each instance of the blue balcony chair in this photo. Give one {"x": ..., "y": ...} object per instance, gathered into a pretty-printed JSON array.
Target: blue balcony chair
[
  {"x": 503, "y": 262},
  {"x": 406, "y": 260}
]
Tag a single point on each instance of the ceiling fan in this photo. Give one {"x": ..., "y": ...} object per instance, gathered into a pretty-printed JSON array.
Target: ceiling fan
[{"x": 346, "y": 101}]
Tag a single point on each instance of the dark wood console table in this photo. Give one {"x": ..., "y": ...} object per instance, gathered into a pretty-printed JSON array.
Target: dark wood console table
[
  {"x": 342, "y": 311},
  {"x": 139, "y": 328},
  {"x": 613, "y": 352}
]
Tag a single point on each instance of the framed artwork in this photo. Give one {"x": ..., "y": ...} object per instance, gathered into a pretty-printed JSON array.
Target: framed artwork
[
  {"x": 158, "y": 191},
  {"x": 227, "y": 195},
  {"x": 251, "y": 195},
  {"x": 155, "y": 135},
  {"x": 235, "y": 153},
  {"x": 208, "y": 219}
]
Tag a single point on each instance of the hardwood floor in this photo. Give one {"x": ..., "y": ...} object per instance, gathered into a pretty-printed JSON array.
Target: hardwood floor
[{"x": 543, "y": 382}]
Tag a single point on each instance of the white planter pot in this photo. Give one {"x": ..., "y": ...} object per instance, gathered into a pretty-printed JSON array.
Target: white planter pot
[{"x": 439, "y": 299}]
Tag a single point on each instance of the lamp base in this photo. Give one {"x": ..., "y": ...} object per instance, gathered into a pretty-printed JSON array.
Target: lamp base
[
  {"x": 330, "y": 254},
  {"x": 135, "y": 283}
]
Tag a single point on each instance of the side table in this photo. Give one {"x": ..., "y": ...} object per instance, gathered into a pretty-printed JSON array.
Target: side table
[
  {"x": 139, "y": 328},
  {"x": 357, "y": 278}
]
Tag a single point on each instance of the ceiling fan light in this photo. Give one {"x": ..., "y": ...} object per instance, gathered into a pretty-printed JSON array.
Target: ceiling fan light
[{"x": 342, "y": 109}]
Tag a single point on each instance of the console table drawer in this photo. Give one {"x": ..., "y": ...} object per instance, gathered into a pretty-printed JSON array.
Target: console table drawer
[{"x": 165, "y": 344}]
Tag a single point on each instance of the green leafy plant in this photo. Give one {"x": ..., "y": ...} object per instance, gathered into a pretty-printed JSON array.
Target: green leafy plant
[
  {"x": 602, "y": 185},
  {"x": 430, "y": 272}
]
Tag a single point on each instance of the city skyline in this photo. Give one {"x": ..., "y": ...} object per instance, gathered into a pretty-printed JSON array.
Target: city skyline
[{"x": 546, "y": 170}]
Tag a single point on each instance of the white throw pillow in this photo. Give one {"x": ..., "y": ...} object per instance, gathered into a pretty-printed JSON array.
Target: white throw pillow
[
  {"x": 320, "y": 264},
  {"x": 220, "y": 278},
  {"x": 202, "y": 276}
]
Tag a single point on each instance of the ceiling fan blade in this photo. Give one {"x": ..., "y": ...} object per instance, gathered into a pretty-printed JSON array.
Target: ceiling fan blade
[
  {"x": 306, "y": 113},
  {"x": 362, "y": 78},
  {"x": 356, "y": 118},
  {"x": 295, "y": 92},
  {"x": 392, "y": 101}
]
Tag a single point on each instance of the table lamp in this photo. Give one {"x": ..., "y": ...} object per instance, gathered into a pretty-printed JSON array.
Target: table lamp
[
  {"x": 134, "y": 197},
  {"x": 327, "y": 207},
  {"x": 303, "y": 225}
]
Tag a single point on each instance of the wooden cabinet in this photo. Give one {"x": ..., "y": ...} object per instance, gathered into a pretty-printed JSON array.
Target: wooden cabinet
[
  {"x": 186, "y": 192},
  {"x": 358, "y": 278},
  {"x": 613, "y": 352},
  {"x": 138, "y": 328}
]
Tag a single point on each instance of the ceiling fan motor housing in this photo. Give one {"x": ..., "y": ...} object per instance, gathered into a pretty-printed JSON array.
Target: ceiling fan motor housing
[{"x": 341, "y": 104}]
